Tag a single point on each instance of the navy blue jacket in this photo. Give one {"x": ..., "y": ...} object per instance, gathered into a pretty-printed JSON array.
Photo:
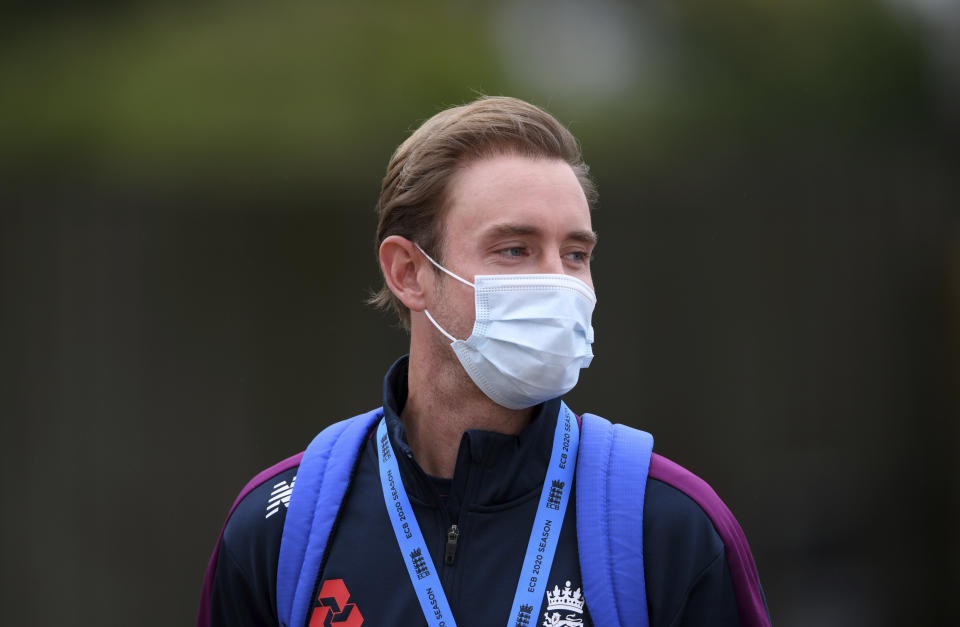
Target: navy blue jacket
[{"x": 492, "y": 499}]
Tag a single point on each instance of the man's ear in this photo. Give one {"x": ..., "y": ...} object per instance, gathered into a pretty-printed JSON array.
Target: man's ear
[{"x": 404, "y": 271}]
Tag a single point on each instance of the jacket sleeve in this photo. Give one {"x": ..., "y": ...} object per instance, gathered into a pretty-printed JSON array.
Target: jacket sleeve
[
  {"x": 710, "y": 599},
  {"x": 240, "y": 586},
  {"x": 237, "y": 599}
]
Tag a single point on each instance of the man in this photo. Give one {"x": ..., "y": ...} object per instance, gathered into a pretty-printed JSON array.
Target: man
[{"x": 484, "y": 240}]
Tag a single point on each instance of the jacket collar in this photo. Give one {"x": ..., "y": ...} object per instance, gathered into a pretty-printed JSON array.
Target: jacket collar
[{"x": 492, "y": 469}]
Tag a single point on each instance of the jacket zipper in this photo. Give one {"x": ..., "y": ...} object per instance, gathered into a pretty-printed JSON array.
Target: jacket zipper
[{"x": 450, "y": 554}]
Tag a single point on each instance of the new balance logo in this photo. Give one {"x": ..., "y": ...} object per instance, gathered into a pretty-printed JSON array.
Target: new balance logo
[
  {"x": 556, "y": 493},
  {"x": 523, "y": 616},
  {"x": 419, "y": 564},
  {"x": 332, "y": 609},
  {"x": 281, "y": 494}
]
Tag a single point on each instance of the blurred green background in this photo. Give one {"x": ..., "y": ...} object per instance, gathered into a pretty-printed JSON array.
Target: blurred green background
[{"x": 186, "y": 241}]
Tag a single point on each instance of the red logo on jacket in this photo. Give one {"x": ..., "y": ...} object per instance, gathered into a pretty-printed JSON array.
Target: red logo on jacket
[{"x": 333, "y": 609}]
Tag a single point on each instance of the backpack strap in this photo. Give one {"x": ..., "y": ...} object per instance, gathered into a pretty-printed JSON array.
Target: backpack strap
[
  {"x": 612, "y": 467},
  {"x": 321, "y": 483}
]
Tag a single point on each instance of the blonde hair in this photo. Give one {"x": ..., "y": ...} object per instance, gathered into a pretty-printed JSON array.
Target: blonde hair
[{"x": 413, "y": 193}]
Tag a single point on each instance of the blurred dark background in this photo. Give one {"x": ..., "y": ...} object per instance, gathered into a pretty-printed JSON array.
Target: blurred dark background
[{"x": 186, "y": 242}]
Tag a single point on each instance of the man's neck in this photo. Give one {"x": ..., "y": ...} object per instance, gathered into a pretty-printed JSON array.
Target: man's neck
[{"x": 442, "y": 403}]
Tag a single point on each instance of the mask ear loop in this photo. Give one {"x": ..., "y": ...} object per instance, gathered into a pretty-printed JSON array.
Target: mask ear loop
[
  {"x": 464, "y": 281},
  {"x": 439, "y": 328}
]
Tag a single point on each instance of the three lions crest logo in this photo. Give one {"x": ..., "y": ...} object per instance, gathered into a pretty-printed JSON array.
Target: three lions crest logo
[{"x": 564, "y": 608}]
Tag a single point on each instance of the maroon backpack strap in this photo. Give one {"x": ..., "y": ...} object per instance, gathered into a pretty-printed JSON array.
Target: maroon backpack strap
[{"x": 743, "y": 570}]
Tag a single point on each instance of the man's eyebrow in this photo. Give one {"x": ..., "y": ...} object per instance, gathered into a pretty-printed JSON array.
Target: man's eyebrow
[
  {"x": 586, "y": 237},
  {"x": 508, "y": 230}
]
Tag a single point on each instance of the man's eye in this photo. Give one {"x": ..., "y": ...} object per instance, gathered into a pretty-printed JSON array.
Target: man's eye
[
  {"x": 515, "y": 251},
  {"x": 579, "y": 256}
]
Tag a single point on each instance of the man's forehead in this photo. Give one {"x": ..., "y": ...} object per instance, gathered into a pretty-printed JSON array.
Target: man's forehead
[{"x": 516, "y": 195}]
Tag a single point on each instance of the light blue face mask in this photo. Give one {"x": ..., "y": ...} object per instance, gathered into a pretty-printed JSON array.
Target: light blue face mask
[{"x": 531, "y": 337}]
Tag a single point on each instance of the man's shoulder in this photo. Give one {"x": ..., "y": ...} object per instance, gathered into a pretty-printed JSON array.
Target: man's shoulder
[
  {"x": 262, "y": 503},
  {"x": 673, "y": 518},
  {"x": 688, "y": 529},
  {"x": 240, "y": 579},
  {"x": 678, "y": 497},
  {"x": 679, "y": 501},
  {"x": 676, "y": 503}
]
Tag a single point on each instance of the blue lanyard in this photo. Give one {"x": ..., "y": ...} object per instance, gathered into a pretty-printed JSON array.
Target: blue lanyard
[{"x": 544, "y": 534}]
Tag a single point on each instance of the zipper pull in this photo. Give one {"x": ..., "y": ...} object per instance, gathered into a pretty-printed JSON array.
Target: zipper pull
[{"x": 453, "y": 534}]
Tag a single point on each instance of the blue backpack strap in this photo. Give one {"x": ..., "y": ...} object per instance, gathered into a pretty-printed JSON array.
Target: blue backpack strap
[
  {"x": 612, "y": 468},
  {"x": 322, "y": 480}
]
